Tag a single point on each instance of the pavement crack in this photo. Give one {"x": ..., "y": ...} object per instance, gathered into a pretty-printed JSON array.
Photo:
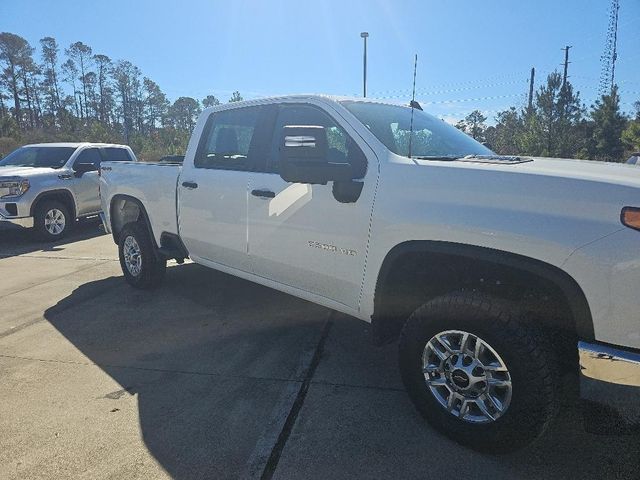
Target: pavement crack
[
  {"x": 283, "y": 437},
  {"x": 104, "y": 366}
]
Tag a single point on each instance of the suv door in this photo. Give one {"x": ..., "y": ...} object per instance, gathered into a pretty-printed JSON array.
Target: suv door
[
  {"x": 307, "y": 236},
  {"x": 213, "y": 188},
  {"x": 85, "y": 187}
]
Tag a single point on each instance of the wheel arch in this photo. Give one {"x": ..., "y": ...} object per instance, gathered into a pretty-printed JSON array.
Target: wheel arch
[
  {"x": 61, "y": 195},
  {"x": 503, "y": 261},
  {"x": 124, "y": 209}
]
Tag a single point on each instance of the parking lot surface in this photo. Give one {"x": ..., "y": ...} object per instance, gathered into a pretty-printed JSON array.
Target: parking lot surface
[{"x": 211, "y": 376}]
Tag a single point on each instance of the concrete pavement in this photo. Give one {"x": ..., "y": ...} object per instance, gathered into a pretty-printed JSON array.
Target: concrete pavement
[{"x": 214, "y": 377}]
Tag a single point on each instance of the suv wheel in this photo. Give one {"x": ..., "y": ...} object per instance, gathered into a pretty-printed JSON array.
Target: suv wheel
[
  {"x": 142, "y": 266},
  {"x": 478, "y": 373},
  {"x": 52, "y": 220}
]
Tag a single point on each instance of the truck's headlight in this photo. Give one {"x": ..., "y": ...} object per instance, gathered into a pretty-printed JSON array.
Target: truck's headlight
[{"x": 15, "y": 187}]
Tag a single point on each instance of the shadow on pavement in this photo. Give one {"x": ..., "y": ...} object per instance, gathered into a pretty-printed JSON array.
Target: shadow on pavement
[
  {"x": 210, "y": 357},
  {"x": 16, "y": 240},
  {"x": 213, "y": 359}
]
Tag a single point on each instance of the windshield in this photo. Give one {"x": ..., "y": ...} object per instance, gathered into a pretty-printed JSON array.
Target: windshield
[
  {"x": 431, "y": 137},
  {"x": 52, "y": 157}
]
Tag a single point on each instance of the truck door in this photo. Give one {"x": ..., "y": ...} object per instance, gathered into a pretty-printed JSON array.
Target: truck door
[
  {"x": 308, "y": 236},
  {"x": 212, "y": 189},
  {"x": 85, "y": 187}
]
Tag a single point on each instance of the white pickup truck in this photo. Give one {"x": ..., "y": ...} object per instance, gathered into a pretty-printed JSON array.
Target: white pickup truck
[
  {"x": 48, "y": 186},
  {"x": 498, "y": 274}
]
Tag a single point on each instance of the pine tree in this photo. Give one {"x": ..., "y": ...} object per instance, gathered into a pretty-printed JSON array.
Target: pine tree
[
  {"x": 210, "y": 101},
  {"x": 184, "y": 113},
  {"x": 80, "y": 54},
  {"x": 631, "y": 135},
  {"x": 105, "y": 92},
  {"x": 15, "y": 54},
  {"x": 156, "y": 104},
  {"x": 505, "y": 137},
  {"x": 609, "y": 124},
  {"x": 236, "y": 97},
  {"x": 50, "y": 85},
  {"x": 473, "y": 125}
]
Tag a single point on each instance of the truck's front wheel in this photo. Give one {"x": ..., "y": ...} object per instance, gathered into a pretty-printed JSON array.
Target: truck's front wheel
[
  {"x": 142, "y": 266},
  {"x": 478, "y": 373},
  {"x": 52, "y": 220}
]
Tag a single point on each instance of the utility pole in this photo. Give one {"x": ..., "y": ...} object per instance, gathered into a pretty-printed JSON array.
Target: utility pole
[
  {"x": 531, "y": 80},
  {"x": 566, "y": 65},
  {"x": 364, "y": 35}
]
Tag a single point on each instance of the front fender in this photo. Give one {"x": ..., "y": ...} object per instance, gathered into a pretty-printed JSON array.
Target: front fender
[{"x": 609, "y": 272}]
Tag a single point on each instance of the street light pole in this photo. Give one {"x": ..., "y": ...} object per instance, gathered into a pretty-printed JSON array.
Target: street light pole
[{"x": 364, "y": 35}]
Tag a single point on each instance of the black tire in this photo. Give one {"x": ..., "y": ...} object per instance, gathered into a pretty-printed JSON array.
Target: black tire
[
  {"x": 532, "y": 365},
  {"x": 45, "y": 211},
  {"x": 152, "y": 266}
]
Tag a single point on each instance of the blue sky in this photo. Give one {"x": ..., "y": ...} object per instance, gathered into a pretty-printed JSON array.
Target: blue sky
[{"x": 471, "y": 54}]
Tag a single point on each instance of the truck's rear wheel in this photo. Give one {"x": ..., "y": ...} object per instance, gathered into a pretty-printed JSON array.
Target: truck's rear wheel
[
  {"x": 142, "y": 266},
  {"x": 52, "y": 220},
  {"x": 477, "y": 373}
]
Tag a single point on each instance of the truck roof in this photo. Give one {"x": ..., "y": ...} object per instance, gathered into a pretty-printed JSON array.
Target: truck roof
[
  {"x": 302, "y": 97},
  {"x": 75, "y": 144}
]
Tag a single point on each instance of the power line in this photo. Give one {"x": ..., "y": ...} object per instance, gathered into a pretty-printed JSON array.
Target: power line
[
  {"x": 405, "y": 93},
  {"x": 458, "y": 84},
  {"x": 476, "y": 99}
]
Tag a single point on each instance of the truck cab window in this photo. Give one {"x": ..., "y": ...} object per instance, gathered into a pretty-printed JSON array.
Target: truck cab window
[
  {"x": 227, "y": 139},
  {"x": 342, "y": 148},
  {"x": 114, "y": 154},
  {"x": 90, "y": 155}
]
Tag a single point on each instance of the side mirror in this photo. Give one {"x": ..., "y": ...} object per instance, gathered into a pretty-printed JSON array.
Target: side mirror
[
  {"x": 81, "y": 167},
  {"x": 304, "y": 157}
]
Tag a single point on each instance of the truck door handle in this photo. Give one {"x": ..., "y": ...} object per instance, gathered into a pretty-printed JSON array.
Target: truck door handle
[
  {"x": 190, "y": 185},
  {"x": 263, "y": 193}
]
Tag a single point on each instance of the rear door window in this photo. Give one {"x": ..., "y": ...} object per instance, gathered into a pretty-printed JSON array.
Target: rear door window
[
  {"x": 115, "y": 154},
  {"x": 228, "y": 142}
]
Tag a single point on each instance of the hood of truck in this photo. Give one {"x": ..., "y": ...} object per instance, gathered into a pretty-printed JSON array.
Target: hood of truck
[
  {"x": 605, "y": 172},
  {"x": 26, "y": 172},
  {"x": 584, "y": 170}
]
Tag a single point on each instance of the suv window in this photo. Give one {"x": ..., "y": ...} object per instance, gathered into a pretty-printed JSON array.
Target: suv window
[
  {"x": 227, "y": 139},
  {"x": 115, "y": 154},
  {"x": 342, "y": 148},
  {"x": 90, "y": 155}
]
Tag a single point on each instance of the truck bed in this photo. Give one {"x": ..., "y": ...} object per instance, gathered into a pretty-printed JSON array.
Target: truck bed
[{"x": 153, "y": 184}]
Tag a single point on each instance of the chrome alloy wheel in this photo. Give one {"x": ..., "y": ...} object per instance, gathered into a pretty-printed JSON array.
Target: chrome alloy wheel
[
  {"x": 467, "y": 376},
  {"x": 54, "y": 221},
  {"x": 132, "y": 256}
]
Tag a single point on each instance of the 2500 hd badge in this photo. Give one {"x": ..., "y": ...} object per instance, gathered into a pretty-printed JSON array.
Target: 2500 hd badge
[{"x": 332, "y": 248}]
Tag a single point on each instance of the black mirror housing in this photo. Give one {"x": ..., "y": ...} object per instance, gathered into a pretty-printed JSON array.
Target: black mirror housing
[
  {"x": 82, "y": 167},
  {"x": 304, "y": 157}
]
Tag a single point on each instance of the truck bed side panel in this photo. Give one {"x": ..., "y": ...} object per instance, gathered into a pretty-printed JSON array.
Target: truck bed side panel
[{"x": 154, "y": 185}]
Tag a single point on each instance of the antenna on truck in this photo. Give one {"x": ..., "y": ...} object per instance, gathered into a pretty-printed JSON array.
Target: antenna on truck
[{"x": 413, "y": 103}]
